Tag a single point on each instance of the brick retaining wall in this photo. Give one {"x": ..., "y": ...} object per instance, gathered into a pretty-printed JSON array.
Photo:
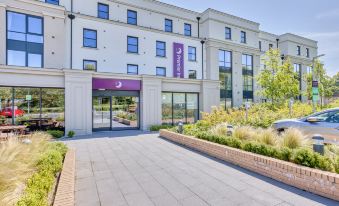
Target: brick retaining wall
[
  {"x": 315, "y": 181},
  {"x": 65, "y": 190}
]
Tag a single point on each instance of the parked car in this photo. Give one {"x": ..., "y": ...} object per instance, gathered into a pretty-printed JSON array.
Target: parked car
[
  {"x": 7, "y": 112},
  {"x": 325, "y": 123}
]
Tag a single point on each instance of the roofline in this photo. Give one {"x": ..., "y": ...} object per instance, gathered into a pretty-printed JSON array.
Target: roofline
[
  {"x": 314, "y": 41},
  {"x": 230, "y": 15},
  {"x": 174, "y": 7}
]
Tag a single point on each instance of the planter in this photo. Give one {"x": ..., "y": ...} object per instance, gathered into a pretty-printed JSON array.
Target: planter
[
  {"x": 319, "y": 182},
  {"x": 65, "y": 190}
]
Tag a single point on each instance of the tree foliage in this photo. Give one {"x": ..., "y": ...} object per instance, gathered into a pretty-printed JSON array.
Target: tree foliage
[{"x": 278, "y": 81}]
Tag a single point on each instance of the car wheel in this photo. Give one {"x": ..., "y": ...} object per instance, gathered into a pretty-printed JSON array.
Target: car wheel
[{"x": 280, "y": 131}]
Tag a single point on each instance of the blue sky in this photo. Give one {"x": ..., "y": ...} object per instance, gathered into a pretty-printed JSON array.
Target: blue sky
[{"x": 316, "y": 19}]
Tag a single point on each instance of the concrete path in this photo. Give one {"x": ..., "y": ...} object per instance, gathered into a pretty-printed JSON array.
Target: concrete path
[{"x": 137, "y": 169}]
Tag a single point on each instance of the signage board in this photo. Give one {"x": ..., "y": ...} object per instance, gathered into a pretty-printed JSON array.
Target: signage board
[
  {"x": 178, "y": 60},
  {"x": 28, "y": 97},
  {"x": 116, "y": 84}
]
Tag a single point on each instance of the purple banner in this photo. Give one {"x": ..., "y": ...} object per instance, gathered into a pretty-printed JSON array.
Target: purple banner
[
  {"x": 117, "y": 84},
  {"x": 178, "y": 60}
]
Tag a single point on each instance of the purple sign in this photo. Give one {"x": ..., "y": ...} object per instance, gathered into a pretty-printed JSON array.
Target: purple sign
[
  {"x": 117, "y": 84},
  {"x": 178, "y": 60}
]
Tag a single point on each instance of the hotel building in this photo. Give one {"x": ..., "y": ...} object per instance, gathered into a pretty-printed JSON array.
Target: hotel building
[{"x": 111, "y": 64}]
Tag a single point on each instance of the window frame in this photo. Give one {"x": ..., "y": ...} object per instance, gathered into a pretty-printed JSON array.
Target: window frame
[
  {"x": 137, "y": 45},
  {"x": 195, "y": 74},
  {"x": 157, "y": 74},
  {"x": 128, "y": 17},
  {"x": 228, "y": 32},
  {"x": 26, "y": 42},
  {"x": 298, "y": 50},
  {"x": 106, "y": 5},
  {"x": 132, "y": 73},
  {"x": 166, "y": 26},
  {"x": 185, "y": 30},
  {"x": 260, "y": 46},
  {"x": 243, "y": 37},
  {"x": 189, "y": 53},
  {"x": 88, "y": 60},
  {"x": 156, "y": 48},
  {"x": 83, "y": 38},
  {"x": 248, "y": 77},
  {"x": 57, "y": 2},
  {"x": 307, "y": 52}
]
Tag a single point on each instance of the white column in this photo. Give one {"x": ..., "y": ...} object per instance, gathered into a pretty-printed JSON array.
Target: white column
[
  {"x": 78, "y": 102},
  {"x": 256, "y": 70},
  {"x": 150, "y": 102},
  {"x": 209, "y": 95},
  {"x": 3, "y": 34},
  {"x": 237, "y": 79}
]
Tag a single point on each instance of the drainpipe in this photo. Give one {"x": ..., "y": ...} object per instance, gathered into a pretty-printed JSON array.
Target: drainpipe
[
  {"x": 71, "y": 17},
  {"x": 202, "y": 58},
  {"x": 277, "y": 43},
  {"x": 198, "y": 18}
]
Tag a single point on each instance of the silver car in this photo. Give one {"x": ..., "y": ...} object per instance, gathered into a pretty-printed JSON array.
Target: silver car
[{"x": 325, "y": 123}]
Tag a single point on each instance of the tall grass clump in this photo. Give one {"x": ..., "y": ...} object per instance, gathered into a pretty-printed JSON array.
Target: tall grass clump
[
  {"x": 268, "y": 136},
  {"x": 292, "y": 138},
  {"x": 220, "y": 129},
  {"x": 17, "y": 162},
  {"x": 245, "y": 133}
]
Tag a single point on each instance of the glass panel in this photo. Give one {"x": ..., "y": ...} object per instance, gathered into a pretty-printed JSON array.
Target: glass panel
[
  {"x": 53, "y": 109},
  {"x": 34, "y": 25},
  {"x": 5, "y": 106},
  {"x": 179, "y": 107},
  {"x": 27, "y": 107},
  {"x": 167, "y": 108},
  {"x": 16, "y": 58},
  {"x": 35, "y": 38},
  {"x": 124, "y": 112},
  {"x": 16, "y": 22},
  {"x": 132, "y": 69},
  {"x": 16, "y": 36},
  {"x": 90, "y": 43},
  {"x": 90, "y": 34},
  {"x": 34, "y": 60},
  {"x": 192, "y": 108},
  {"x": 101, "y": 112},
  {"x": 90, "y": 65},
  {"x": 161, "y": 71}
]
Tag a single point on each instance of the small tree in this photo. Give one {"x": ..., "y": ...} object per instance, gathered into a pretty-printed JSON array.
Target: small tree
[{"x": 278, "y": 81}]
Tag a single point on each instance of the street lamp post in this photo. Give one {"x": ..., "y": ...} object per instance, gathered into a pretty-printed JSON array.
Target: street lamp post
[
  {"x": 315, "y": 78},
  {"x": 202, "y": 58}
]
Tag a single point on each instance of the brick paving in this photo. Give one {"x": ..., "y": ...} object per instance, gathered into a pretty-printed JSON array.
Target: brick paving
[{"x": 134, "y": 168}]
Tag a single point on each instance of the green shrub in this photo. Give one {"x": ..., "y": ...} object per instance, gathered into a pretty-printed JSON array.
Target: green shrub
[
  {"x": 306, "y": 157},
  {"x": 56, "y": 133},
  {"x": 261, "y": 149},
  {"x": 336, "y": 165},
  {"x": 71, "y": 134},
  {"x": 286, "y": 154},
  {"x": 41, "y": 182},
  {"x": 155, "y": 128}
]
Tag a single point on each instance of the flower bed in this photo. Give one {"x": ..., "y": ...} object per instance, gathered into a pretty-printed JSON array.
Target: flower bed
[{"x": 316, "y": 181}]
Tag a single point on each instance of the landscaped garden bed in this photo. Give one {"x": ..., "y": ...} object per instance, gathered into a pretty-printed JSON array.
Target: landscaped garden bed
[
  {"x": 29, "y": 170},
  {"x": 252, "y": 144}
]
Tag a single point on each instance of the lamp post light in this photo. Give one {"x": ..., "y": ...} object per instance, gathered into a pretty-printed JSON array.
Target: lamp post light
[{"x": 202, "y": 58}]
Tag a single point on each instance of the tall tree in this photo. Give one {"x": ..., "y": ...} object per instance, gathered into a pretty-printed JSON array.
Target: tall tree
[{"x": 278, "y": 81}]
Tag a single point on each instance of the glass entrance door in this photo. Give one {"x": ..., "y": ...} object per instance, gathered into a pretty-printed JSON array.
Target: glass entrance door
[
  {"x": 115, "y": 110},
  {"x": 101, "y": 113}
]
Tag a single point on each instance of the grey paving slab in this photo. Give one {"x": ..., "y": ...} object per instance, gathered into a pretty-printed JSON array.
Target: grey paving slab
[{"x": 134, "y": 168}]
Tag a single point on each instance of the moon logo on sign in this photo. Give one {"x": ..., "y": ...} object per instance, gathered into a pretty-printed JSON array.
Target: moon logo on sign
[
  {"x": 118, "y": 84},
  {"x": 179, "y": 50}
]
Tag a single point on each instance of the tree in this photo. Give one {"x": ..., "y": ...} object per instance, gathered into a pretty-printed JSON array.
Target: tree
[{"x": 278, "y": 81}]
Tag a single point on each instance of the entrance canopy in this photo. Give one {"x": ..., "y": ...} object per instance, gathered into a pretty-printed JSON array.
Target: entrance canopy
[{"x": 116, "y": 84}]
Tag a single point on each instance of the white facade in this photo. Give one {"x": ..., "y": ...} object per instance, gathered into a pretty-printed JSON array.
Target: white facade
[{"x": 64, "y": 53}]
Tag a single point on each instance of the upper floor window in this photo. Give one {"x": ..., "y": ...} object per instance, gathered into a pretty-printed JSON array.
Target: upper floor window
[
  {"x": 161, "y": 49},
  {"x": 228, "y": 33},
  {"x": 132, "y": 44},
  {"x": 297, "y": 68},
  {"x": 192, "y": 53},
  {"x": 307, "y": 52},
  {"x": 168, "y": 25},
  {"x": 90, "y": 65},
  {"x": 188, "y": 29},
  {"x": 260, "y": 46},
  {"x": 225, "y": 61},
  {"x": 247, "y": 71},
  {"x": 298, "y": 50},
  {"x": 132, "y": 17},
  {"x": 25, "y": 40},
  {"x": 90, "y": 38},
  {"x": 132, "y": 69},
  {"x": 161, "y": 71},
  {"x": 103, "y": 11},
  {"x": 270, "y": 46},
  {"x": 55, "y": 2},
  {"x": 243, "y": 37},
  {"x": 192, "y": 74}
]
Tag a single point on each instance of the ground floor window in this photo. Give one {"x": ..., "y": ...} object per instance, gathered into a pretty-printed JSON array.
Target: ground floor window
[
  {"x": 178, "y": 107},
  {"x": 35, "y": 108}
]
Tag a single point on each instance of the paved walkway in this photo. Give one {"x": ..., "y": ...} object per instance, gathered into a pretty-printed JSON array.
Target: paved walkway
[{"x": 137, "y": 169}]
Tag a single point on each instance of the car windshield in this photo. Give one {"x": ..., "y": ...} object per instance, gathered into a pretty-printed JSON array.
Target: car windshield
[{"x": 332, "y": 117}]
